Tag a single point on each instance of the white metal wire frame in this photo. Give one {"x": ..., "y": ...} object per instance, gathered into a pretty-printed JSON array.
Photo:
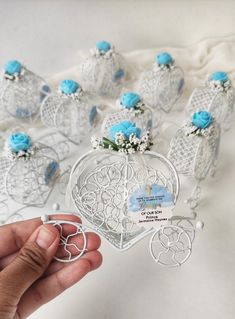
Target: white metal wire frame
[
  {"x": 220, "y": 104},
  {"x": 22, "y": 99},
  {"x": 99, "y": 75},
  {"x": 29, "y": 182},
  {"x": 71, "y": 118},
  {"x": 161, "y": 88},
  {"x": 101, "y": 182}
]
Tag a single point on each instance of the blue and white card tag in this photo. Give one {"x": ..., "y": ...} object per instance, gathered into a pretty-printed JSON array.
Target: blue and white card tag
[{"x": 151, "y": 206}]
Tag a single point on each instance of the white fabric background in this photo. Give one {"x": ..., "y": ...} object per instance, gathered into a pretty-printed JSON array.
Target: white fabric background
[{"x": 48, "y": 36}]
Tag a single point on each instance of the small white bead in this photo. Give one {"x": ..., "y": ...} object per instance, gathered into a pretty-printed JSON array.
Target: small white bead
[
  {"x": 200, "y": 225},
  {"x": 56, "y": 206},
  {"x": 193, "y": 214},
  {"x": 44, "y": 218}
]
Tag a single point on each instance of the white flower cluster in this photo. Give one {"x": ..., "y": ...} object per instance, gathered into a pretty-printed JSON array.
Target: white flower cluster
[
  {"x": 137, "y": 109},
  {"x": 134, "y": 144},
  {"x": 25, "y": 155},
  {"x": 97, "y": 143},
  {"x": 104, "y": 55},
  {"x": 120, "y": 139},
  {"x": 164, "y": 67},
  {"x": 219, "y": 86},
  {"x": 15, "y": 76},
  {"x": 74, "y": 96},
  {"x": 124, "y": 145},
  {"x": 192, "y": 130}
]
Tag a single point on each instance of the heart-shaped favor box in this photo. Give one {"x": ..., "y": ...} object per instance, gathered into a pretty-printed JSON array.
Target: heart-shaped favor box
[
  {"x": 21, "y": 91},
  {"x": 28, "y": 170},
  {"x": 70, "y": 111},
  {"x": 131, "y": 108},
  {"x": 104, "y": 71},
  {"x": 195, "y": 146},
  {"x": 162, "y": 85},
  {"x": 217, "y": 97},
  {"x": 109, "y": 189}
]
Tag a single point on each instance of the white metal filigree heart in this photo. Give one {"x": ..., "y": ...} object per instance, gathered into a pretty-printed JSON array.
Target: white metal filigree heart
[
  {"x": 73, "y": 239},
  {"x": 103, "y": 73},
  {"x": 143, "y": 121},
  {"x": 102, "y": 183},
  {"x": 29, "y": 181},
  {"x": 220, "y": 104},
  {"x": 161, "y": 88},
  {"x": 21, "y": 94},
  {"x": 73, "y": 116},
  {"x": 193, "y": 154}
]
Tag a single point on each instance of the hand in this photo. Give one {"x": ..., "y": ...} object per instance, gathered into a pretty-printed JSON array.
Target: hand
[{"x": 29, "y": 277}]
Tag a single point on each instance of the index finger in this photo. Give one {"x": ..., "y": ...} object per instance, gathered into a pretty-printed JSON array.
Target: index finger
[{"x": 13, "y": 236}]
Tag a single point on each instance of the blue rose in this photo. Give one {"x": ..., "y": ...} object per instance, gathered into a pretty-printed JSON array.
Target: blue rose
[
  {"x": 164, "y": 58},
  {"x": 68, "y": 86},
  {"x": 202, "y": 119},
  {"x": 103, "y": 46},
  {"x": 12, "y": 67},
  {"x": 126, "y": 128},
  {"x": 219, "y": 76},
  {"x": 19, "y": 142},
  {"x": 129, "y": 99}
]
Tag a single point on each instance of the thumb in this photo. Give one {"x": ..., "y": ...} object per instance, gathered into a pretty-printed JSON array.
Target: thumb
[{"x": 29, "y": 265}]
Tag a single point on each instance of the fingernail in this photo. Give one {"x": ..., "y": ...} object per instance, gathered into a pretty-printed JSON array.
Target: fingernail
[{"x": 45, "y": 237}]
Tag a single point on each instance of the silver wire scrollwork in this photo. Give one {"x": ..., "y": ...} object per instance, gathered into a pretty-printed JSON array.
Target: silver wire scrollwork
[
  {"x": 103, "y": 76},
  {"x": 73, "y": 241},
  {"x": 143, "y": 121},
  {"x": 22, "y": 98},
  {"x": 171, "y": 246},
  {"x": 58, "y": 142},
  {"x": 72, "y": 118},
  {"x": 30, "y": 182},
  {"x": 161, "y": 88},
  {"x": 194, "y": 155},
  {"x": 219, "y": 103},
  {"x": 101, "y": 183}
]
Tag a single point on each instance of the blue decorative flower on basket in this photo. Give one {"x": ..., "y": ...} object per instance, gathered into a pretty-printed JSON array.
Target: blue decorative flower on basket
[
  {"x": 126, "y": 128},
  {"x": 103, "y": 46},
  {"x": 68, "y": 87},
  {"x": 129, "y": 99},
  {"x": 12, "y": 67},
  {"x": 202, "y": 119},
  {"x": 164, "y": 58},
  {"x": 219, "y": 76},
  {"x": 19, "y": 142}
]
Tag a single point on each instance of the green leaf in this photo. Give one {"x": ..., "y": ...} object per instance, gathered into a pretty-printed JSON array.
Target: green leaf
[{"x": 108, "y": 143}]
